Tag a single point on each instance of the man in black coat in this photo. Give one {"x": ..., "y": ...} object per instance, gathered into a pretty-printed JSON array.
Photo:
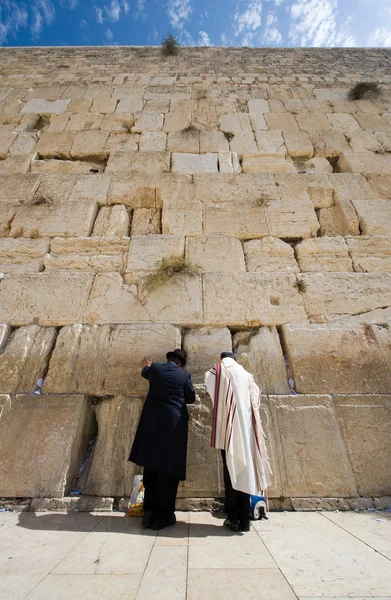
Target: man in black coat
[{"x": 160, "y": 443}]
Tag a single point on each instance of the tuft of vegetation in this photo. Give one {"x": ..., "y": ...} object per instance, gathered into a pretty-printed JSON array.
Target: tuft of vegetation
[
  {"x": 40, "y": 200},
  {"x": 170, "y": 46},
  {"x": 300, "y": 285},
  {"x": 201, "y": 94},
  {"x": 364, "y": 89},
  {"x": 190, "y": 130},
  {"x": 264, "y": 199},
  {"x": 128, "y": 124},
  {"x": 228, "y": 135},
  {"x": 167, "y": 268}
]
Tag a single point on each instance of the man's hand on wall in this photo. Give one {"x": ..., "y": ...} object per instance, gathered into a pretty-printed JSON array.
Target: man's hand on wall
[{"x": 147, "y": 361}]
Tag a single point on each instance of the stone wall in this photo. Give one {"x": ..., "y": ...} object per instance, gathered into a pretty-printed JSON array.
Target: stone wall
[{"x": 253, "y": 165}]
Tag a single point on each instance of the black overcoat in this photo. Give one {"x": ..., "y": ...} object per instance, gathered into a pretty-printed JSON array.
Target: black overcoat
[{"x": 160, "y": 443}]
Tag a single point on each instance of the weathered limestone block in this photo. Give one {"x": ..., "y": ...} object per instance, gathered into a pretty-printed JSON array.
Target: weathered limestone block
[
  {"x": 116, "y": 123},
  {"x": 298, "y": 144},
  {"x": 113, "y": 302},
  {"x": 260, "y": 352},
  {"x": 62, "y": 219},
  {"x": 351, "y": 186},
  {"x": 194, "y": 163},
  {"x": 203, "y": 347},
  {"x": 243, "y": 143},
  {"x": 54, "y": 188},
  {"x": 382, "y": 335},
  {"x": 25, "y": 358},
  {"x": 7, "y": 214},
  {"x": 58, "y": 122},
  {"x": 373, "y": 122},
  {"x": 270, "y": 142},
  {"x": 66, "y": 166},
  {"x": 187, "y": 141},
  {"x": 90, "y": 145},
  {"x": 315, "y": 165},
  {"x": 129, "y": 343},
  {"x": 22, "y": 255},
  {"x": 204, "y": 473},
  {"x": 16, "y": 164},
  {"x": 72, "y": 504},
  {"x": 343, "y": 122},
  {"x": 125, "y": 142},
  {"x": 340, "y": 219},
  {"x": 332, "y": 296},
  {"x": 381, "y": 186},
  {"x": 79, "y": 361},
  {"x": 158, "y": 106},
  {"x": 104, "y": 105},
  {"x": 270, "y": 255},
  {"x": 176, "y": 122},
  {"x": 112, "y": 221},
  {"x": 5, "y": 331},
  {"x": 6, "y": 139},
  {"x": 146, "y": 221},
  {"x": 213, "y": 141},
  {"x": 83, "y": 121},
  {"x": 215, "y": 253},
  {"x": 109, "y": 472},
  {"x": 367, "y": 163},
  {"x": 129, "y": 104},
  {"x": 328, "y": 143},
  {"x": 308, "y": 442},
  {"x": 257, "y": 108},
  {"x": 225, "y": 188},
  {"x": 154, "y": 141},
  {"x": 292, "y": 218},
  {"x": 225, "y": 162},
  {"x": 267, "y": 163},
  {"x": 46, "y": 298},
  {"x": 5, "y": 405},
  {"x": 75, "y": 262},
  {"x": 90, "y": 246},
  {"x": 148, "y": 121},
  {"x": 182, "y": 221},
  {"x": 141, "y": 162},
  {"x": 384, "y": 139},
  {"x": 235, "y": 123},
  {"x": 251, "y": 299},
  {"x": 281, "y": 121},
  {"x": 55, "y": 144},
  {"x": 374, "y": 216},
  {"x": 362, "y": 141},
  {"x": 39, "y": 106},
  {"x": 338, "y": 358},
  {"x": 324, "y": 254},
  {"x": 135, "y": 190},
  {"x": 370, "y": 253},
  {"x": 42, "y": 443},
  {"x": 365, "y": 422},
  {"x": 312, "y": 122},
  {"x": 146, "y": 250},
  {"x": 244, "y": 220}
]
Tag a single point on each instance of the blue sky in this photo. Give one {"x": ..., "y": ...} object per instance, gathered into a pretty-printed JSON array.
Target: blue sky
[{"x": 196, "y": 22}]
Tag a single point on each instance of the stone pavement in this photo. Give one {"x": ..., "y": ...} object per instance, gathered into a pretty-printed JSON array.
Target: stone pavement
[{"x": 55, "y": 556}]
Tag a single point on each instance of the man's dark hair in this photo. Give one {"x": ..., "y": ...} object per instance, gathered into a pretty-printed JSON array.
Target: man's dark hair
[{"x": 228, "y": 355}]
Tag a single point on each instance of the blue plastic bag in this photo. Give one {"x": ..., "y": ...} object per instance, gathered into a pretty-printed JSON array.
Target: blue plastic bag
[{"x": 258, "y": 508}]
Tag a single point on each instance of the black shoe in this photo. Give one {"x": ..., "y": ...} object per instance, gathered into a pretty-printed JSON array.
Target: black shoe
[
  {"x": 231, "y": 525},
  {"x": 158, "y": 525},
  {"x": 245, "y": 525},
  {"x": 146, "y": 523}
]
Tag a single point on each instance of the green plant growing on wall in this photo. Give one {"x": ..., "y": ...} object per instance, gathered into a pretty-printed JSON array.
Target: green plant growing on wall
[
  {"x": 190, "y": 130},
  {"x": 300, "y": 285},
  {"x": 170, "y": 46},
  {"x": 228, "y": 135},
  {"x": 167, "y": 268},
  {"x": 364, "y": 89}
]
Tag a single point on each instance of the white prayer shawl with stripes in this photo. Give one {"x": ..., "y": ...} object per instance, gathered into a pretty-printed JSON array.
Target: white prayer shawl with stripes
[{"x": 237, "y": 427}]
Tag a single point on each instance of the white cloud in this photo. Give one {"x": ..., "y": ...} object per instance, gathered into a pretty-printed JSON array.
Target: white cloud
[
  {"x": 249, "y": 20},
  {"x": 271, "y": 35},
  {"x": 71, "y": 4},
  {"x": 109, "y": 35},
  {"x": 13, "y": 17},
  {"x": 203, "y": 39},
  {"x": 83, "y": 24},
  {"x": 314, "y": 23},
  {"x": 125, "y": 6},
  {"x": 139, "y": 9},
  {"x": 179, "y": 12},
  {"x": 98, "y": 14},
  {"x": 113, "y": 11},
  {"x": 43, "y": 13},
  {"x": 379, "y": 38}
]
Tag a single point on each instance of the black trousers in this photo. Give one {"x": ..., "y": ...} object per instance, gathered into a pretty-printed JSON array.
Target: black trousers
[
  {"x": 237, "y": 504},
  {"x": 160, "y": 494}
]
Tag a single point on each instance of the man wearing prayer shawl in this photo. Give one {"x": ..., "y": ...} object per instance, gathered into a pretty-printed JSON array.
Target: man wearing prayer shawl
[{"x": 237, "y": 431}]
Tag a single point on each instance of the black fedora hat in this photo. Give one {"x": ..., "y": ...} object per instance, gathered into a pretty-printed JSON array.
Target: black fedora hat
[{"x": 177, "y": 353}]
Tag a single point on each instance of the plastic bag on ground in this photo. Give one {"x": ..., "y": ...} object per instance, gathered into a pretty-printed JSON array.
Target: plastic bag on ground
[{"x": 136, "y": 501}]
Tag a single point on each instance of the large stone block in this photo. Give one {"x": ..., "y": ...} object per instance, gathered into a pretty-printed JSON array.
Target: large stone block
[
  {"x": 374, "y": 216},
  {"x": 213, "y": 141},
  {"x": 5, "y": 405},
  {"x": 382, "y": 335},
  {"x": 66, "y": 166},
  {"x": 194, "y": 163},
  {"x": 5, "y": 331},
  {"x": 270, "y": 141},
  {"x": 6, "y": 139},
  {"x": 235, "y": 123},
  {"x": 74, "y": 262},
  {"x": 135, "y": 190},
  {"x": 270, "y": 254},
  {"x": 90, "y": 145},
  {"x": 56, "y": 188},
  {"x": 215, "y": 253},
  {"x": 25, "y": 358},
  {"x": 267, "y": 163},
  {"x": 381, "y": 186},
  {"x": 332, "y": 296},
  {"x": 55, "y": 144},
  {"x": 298, "y": 144},
  {"x": 42, "y": 444},
  {"x": 324, "y": 254},
  {"x": 187, "y": 141},
  {"x": 46, "y": 298},
  {"x": 113, "y": 302},
  {"x": 39, "y": 106},
  {"x": 146, "y": 250},
  {"x": 328, "y": 144},
  {"x": 251, "y": 299},
  {"x": 281, "y": 121},
  {"x": 148, "y": 121},
  {"x": 370, "y": 253},
  {"x": 246, "y": 220},
  {"x": 17, "y": 189},
  {"x": 84, "y": 121},
  {"x": 22, "y": 255},
  {"x": 139, "y": 162},
  {"x": 109, "y": 473},
  {"x": 58, "y": 219},
  {"x": 344, "y": 123},
  {"x": 338, "y": 358},
  {"x": 112, "y": 221},
  {"x": 7, "y": 214},
  {"x": 155, "y": 141},
  {"x": 146, "y": 221},
  {"x": 365, "y": 423},
  {"x": 260, "y": 352},
  {"x": 204, "y": 474},
  {"x": 367, "y": 163},
  {"x": 123, "y": 141},
  {"x": 203, "y": 347},
  {"x": 312, "y": 457},
  {"x": 291, "y": 218},
  {"x": 243, "y": 143}
]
